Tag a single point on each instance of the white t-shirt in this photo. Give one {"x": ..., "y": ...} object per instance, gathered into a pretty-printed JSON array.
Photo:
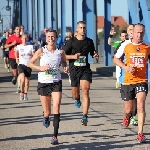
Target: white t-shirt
[
  {"x": 25, "y": 53},
  {"x": 119, "y": 54},
  {"x": 120, "y": 50}
]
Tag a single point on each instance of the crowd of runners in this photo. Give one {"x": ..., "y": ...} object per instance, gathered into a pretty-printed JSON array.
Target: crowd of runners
[{"x": 131, "y": 56}]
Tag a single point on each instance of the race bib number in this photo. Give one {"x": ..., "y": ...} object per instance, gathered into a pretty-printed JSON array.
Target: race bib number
[
  {"x": 81, "y": 61},
  {"x": 141, "y": 89},
  {"x": 53, "y": 73},
  {"x": 137, "y": 61}
]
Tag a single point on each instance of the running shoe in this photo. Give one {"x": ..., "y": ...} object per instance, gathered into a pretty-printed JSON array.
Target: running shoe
[
  {"x": 133, "y": 121},
  {"x": 84, "y": 120},
  {"x": 54, "y": 140},
  {"x": 18, "y": 90},
  {"x": 46, "y": 122},
  {"x": 141, "y": 138},
  {"x": 77, "y": 103},
  {"x": 126, "y": 121},
  {"x": 6, "y": 66},
  {"x": 25, "y": 97},
  {"x": 14, "y": 80},
  {"x": 8, "y": 70},
  {"x": 21, "y": 96}
]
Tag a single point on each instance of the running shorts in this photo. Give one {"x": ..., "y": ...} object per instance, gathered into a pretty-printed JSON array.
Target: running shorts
[
  {"x": 128, "y": 92},
  {"x": 45, "y": 89}
]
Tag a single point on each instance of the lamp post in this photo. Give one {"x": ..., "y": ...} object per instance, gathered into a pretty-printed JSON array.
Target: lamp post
[
  {"x": 8, "y": 8},
  {"x": 1, "y": 22}
]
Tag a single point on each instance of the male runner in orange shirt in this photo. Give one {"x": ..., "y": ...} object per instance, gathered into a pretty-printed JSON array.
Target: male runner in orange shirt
[{"x": 135, "y": 76}]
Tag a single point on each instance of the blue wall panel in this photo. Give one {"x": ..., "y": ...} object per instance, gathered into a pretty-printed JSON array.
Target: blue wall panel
[
  {"x": 89, "y": 16},
  {"x": 24, "y": 13},
  {"x": 54, "y": 14},
  {"x": 74, "y": 15},
  {"x": 107, "y": 25},
  {"x": 134, "y": 17},
  {"x": 146, "y": 18},
  {"x": 40, "y": 16},
  {"x": 29, "y": 21},
  {"x": 33, "y": 20},
  {"x": 36, "y": 17},
  {"x": 63, "y": 19},
  {"x": 48, "y": 13}
]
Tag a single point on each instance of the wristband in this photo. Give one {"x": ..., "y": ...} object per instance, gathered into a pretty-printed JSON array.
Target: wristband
[{"x": 110, "y": 36}]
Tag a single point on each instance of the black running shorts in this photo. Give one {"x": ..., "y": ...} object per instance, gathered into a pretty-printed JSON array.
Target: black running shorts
[
  {"x": 128, "y": 92},
  {"x": 80, "y": 74},
  {"x": 24, "y": 69},
  {"x": 13, "y": 63},
  {"x": 6, "y": 54},
  {"x": 45, "y": 89}
]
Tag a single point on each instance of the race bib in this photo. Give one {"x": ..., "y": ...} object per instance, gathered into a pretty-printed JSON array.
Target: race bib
[
  {"x": 7, "y": 49},
  {"x": 141, "y": 89},
  {"x": 81, "y": 61},
  {"x": 53, "y": 73},
  {"x": 137, "y": 61}
]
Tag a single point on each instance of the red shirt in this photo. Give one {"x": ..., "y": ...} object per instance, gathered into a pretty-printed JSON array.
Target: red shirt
[{"x": 11, "y": 39}]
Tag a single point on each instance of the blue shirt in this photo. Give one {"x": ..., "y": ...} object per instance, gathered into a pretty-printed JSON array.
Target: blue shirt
[
  {"x": 29, "y": 41},
  {"x": 59, "y": 42},
  {"x": 2, "y": 37},
  {"x": 42, "y": 39}
]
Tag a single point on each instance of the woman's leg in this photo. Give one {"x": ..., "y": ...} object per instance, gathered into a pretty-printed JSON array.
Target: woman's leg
[
  {"x": 56, "y": 111},
  {"x": 46, "y": 103}
]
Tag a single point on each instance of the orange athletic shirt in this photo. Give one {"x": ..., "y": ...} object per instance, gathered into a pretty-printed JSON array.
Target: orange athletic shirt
[{"x": 136, "y": 56}]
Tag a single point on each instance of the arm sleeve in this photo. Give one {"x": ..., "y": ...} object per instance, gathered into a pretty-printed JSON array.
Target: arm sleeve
[
  {"x": 92, "y": 48},
  {"x": 67, "y": 46}
]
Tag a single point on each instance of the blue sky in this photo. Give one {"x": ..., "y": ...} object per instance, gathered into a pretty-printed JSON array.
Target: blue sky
[{"x": 118, "y": 8}]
